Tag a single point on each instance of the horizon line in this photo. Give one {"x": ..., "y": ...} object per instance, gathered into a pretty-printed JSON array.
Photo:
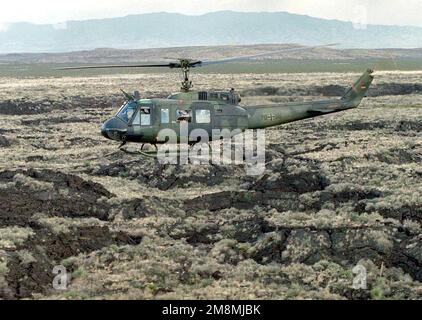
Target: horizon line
[{"x": 193, "y": 15}]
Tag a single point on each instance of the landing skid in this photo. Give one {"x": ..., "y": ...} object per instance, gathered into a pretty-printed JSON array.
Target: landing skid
[
  {"x": 148, "y": 154},
  {"x": 154, "y": 154}
]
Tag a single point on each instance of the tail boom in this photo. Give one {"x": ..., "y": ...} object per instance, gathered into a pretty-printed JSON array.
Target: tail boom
[{"x": 273, "y": 115}]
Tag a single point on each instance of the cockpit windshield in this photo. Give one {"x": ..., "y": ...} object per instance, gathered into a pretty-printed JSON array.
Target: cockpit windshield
[{"x": 127, "y": 111}]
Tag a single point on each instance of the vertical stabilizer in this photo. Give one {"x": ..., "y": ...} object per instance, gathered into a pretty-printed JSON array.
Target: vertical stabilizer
[{"x": 357, "y": 92}]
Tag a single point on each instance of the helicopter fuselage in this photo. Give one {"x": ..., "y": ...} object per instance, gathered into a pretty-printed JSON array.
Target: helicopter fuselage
[
  {"x": 204, "y": 115},
  {"x": 142, "y": 120}
]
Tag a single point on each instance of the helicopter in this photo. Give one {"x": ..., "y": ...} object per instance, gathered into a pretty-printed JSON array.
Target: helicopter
[{"x": 141, "y": 120}]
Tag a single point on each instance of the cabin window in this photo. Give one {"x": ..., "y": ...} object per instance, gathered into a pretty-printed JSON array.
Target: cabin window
[
  {"x": 203, "y": 116},
  {"x": 165, "y": 116},
  {"x": 184, "y": 115}
]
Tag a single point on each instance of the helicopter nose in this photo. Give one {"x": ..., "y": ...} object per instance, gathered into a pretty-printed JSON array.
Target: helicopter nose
[
  {"x": 104, "y": 131},
  {"x": 114, "y": 129}
]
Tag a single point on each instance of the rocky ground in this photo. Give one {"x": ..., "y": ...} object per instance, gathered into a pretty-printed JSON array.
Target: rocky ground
[{"x": 338, "y": 191}]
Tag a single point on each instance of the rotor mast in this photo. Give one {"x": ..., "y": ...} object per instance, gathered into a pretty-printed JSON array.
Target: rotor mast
[{"x": 186, "y": 84}]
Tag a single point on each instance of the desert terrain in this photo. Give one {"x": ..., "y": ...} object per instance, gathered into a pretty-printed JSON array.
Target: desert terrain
[{"x": 338, "y": 190}]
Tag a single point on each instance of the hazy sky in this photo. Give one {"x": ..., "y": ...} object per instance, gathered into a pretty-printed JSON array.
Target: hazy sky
[{"x": 403, "y": 12}]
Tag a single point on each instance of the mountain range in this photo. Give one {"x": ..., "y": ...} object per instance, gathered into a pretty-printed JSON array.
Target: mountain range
[{"x": 157, "y": 30}]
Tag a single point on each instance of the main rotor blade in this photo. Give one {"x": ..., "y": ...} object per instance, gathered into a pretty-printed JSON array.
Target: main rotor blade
[
  {"x": 169, "y": 65},
  {"x": 240, "y": 58},
  {"x": 197, "y": 63}
]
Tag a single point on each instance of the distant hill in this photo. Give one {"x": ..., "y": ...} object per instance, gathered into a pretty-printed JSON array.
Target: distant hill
[
  {"x": 110, "y": 56},
  {"x": 157, "y": 30},
  {"x": 309, "y": 60}
]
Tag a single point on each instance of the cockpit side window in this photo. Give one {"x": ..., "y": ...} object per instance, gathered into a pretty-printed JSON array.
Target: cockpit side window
[
  {"x": 127, "y": 111},
  {"x": 145, "y": 113},
  {"x": 137, "y": 120},
  {"x": 142, "y": 117}
]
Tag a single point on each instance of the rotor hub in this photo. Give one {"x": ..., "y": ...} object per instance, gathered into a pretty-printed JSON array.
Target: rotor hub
[{"x": 185, "y": 65}]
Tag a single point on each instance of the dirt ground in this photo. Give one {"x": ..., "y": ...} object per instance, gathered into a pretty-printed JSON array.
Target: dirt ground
[{"x": 338, "y": 191}]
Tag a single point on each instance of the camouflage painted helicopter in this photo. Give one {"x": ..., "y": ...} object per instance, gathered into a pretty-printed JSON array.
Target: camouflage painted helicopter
[{"x": 141, "y": 120}]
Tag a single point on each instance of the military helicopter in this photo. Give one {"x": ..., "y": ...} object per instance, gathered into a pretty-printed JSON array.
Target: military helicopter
[{"x": 141, "y": 120}]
